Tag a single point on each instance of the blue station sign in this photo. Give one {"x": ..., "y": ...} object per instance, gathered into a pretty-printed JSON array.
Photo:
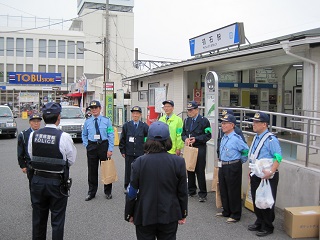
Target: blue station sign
[{"x": 34, "y": 78}]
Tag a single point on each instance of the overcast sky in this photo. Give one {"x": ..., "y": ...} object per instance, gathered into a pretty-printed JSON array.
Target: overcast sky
[{"x": 163, "y": 27}]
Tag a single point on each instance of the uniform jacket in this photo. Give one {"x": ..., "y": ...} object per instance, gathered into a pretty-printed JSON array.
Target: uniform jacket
[
  {"x": 175, "y": 128},
  {"x": 135, "y": 147},
  {"x": 201, "y": 130},
  {"x": 22, "y": 148},
  {"x": 161, "y": 181}
]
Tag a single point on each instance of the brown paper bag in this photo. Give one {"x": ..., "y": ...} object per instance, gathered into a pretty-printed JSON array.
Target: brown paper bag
[
  {"x": 215, "y": 179},
  {"x": 108, "y": 172},
  {"x": 190, "y": 155},
  {"x": 218, "y": 197}
]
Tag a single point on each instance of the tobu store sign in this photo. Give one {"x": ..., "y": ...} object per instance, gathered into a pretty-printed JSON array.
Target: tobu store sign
[{"x": 34, "y": 78}]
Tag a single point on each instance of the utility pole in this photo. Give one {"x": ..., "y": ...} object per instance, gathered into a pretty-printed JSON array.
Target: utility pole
[{"x": 106, "y": 56}]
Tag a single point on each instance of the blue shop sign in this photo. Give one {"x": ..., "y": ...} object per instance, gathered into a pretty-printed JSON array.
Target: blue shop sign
[
  {"x": 3, "y": 87},
  {"x": 34, "y": 78}
]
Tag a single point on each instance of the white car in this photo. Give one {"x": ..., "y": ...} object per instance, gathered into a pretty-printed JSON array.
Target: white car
[
  {"x": 8, "y": 125},
  {"x": 72, "y": 121}
]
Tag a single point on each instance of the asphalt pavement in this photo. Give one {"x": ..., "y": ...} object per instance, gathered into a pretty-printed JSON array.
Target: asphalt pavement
[{"x": 101, "y": 218}]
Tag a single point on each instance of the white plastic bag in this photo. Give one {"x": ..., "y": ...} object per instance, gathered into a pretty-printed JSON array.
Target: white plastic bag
[
  {"x": 259, "y": 165},
  {"x": 264, "y": 198}
]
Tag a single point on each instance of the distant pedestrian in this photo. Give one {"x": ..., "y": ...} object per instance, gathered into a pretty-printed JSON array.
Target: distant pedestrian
[
  {"x": 196, "y": 132},
  {"x": 133, "y": 136},
  {"x": 175, "y": 126},
  {"x": 52, "y": 152},
  {"x": 22, "y": 147},
  {"x": 98, "y": 138},
  {"x": 264, "y": 145},
  {"x": 157, "y": 199},
  {"x": 233, "y": 153}
]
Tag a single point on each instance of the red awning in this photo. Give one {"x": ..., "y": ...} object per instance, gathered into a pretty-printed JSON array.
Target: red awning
[{"x": 77, "y": 94}]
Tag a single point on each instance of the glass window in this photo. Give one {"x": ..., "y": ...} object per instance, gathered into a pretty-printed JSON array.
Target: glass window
[
  {"x": 29, "y": 47},
  {"x": 152, "y": 86},
  {"x": 19, "y": 68},
  {"x": 20, "y": 47},
  {"x": 80, "y": 52},
  {"x": 52, "y": 49},
  {"x": 10, "y": 47},
  {"x": 71, "y": 49},
  {"x": 42, "y": 68},
  {"x": 42, "y": 48},
  {"x": 61, "y": 69},
  {"x": 1, "y": 72},
  {"x": 1, "y": 46},
  {"x": 10, "y": 68},
  {"x": 70, "y": 74},
  {"x": 29, "y": 68},
  {"x": 61, "y": 49},
  {"x": 51, "y": 68},
  {"x": 79, "y": 72}
]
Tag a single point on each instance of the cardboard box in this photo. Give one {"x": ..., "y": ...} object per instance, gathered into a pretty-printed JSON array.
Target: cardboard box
[{"x": 302, "y": 222}]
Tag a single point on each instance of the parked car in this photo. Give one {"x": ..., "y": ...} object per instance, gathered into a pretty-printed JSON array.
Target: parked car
[
  {"x": 72, "y": 121},
  {"x": 8, "y": 124}
]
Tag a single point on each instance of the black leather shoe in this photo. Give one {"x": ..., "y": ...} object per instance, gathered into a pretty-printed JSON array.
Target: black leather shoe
[
  {"x": 254, "y": 227},
  {"x": 109, "y": 196},
  {"x": 263, "y": 233},
  {"x": 89, "y": 197}
]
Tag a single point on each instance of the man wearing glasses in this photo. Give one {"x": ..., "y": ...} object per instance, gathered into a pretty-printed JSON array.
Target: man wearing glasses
[
  {"x": 196, "y": 132},
  {"x": 175, "y": 126}
]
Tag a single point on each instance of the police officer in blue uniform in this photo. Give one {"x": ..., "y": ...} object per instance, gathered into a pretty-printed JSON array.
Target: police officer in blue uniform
[
  {"x": 22, "y": 147},
  {"x": 233, "y": 152},
  {"x": 196, "y": 132},
  {"x": 157, "y": 199},
  {"x": 132, "y": 138},
  {"x": 98, "y": 138},
  {"x": 270, "y": 148},
  {"x": 52, "y": 152}
]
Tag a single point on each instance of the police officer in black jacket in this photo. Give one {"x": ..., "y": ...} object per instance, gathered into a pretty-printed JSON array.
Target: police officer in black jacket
[
  {"x": 22, "y": 147},
  {"x": 52, "y": 152},
  {"x": 196, "y": 132},
  {"x": 132, "y": 138},
  {"x": 157, "y": 199}
]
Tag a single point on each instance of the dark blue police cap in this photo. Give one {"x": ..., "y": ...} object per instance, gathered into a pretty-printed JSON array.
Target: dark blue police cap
[
  {"x": 51, "y": 108},
  {"x": 94, "y": 103},
  {"x": 136, "y": 109},
  {"x": 158, "y": 131},
  {"x": 229, "y": 118},
  {"x": 168, "y": 101},
  {"x": 192, "y": 105},
  {"x": 35, "y": 116},
  {"x": 261, "y": 117},
  {"x": 226, "y": 111}
]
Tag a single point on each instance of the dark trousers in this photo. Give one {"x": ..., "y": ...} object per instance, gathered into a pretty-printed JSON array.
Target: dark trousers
[
  {"x": 201, "y": 175},
  {"x": 127, "y": 169},
  {"x": 95, "y": 154},
  {"x": 45, "y": 196},
  {"x": 159, "y": 231},
  {"x": 265, "y": 217},
  {"x": 230, "y": 178}
]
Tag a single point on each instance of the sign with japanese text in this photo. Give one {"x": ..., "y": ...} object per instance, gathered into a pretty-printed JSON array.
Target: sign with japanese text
[
  {"x": 109, "y": 90},
  {"x": 221, "y": 38}
]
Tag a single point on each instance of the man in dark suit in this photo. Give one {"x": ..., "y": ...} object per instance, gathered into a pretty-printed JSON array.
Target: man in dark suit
[
  {"x": 157, "y": 198},
  {"x": 132, "y": 138},
  {"x": 196, "y": 132}
]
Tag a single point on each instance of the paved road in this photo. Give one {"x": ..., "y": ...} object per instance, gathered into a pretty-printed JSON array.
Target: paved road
[{"x": 101, "y": 218}]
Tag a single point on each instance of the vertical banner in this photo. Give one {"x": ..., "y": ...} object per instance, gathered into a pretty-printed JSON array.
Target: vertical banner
[
  {"x": 197, "y": 95},
  {"x": 160, "y": 95},
  {"x": 109, "y": 90},
  {"x": 211, "y": 106}
]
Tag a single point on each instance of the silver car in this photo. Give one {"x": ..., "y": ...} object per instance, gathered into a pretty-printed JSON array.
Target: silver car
[
  {"x": 72, "y": 121},
  {"x": 8, "y": 125}
]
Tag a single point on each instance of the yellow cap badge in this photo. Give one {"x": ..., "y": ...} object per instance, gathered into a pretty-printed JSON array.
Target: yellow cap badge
[
  {"x": 224, "y": 112},
  {"x": 257, "y": 115}
]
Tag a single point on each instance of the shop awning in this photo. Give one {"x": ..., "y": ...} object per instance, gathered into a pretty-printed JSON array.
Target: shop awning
[{"x": 77, "y": 94}]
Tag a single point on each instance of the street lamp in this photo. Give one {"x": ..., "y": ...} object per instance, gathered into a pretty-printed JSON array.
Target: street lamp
[{"x": 104, "y": 71}]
